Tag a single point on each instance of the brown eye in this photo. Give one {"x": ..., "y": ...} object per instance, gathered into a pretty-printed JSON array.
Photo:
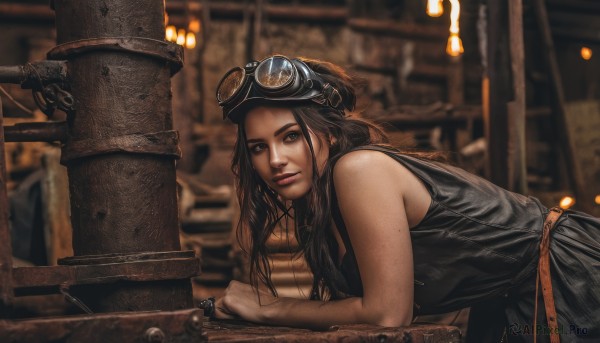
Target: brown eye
[{"x": 257, "y": 148}]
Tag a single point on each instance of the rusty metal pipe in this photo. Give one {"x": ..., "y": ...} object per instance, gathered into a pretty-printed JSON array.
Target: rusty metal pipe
[
  {"x": 12, "y": 74},
  {"x": 120, "y": 150},
  {"x": 35, "y": 74},
  {"x": 36, "y": 132}
]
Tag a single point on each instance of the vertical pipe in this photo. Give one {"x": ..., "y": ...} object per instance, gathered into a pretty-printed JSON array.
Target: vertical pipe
[{"x": 120, "y": 202}]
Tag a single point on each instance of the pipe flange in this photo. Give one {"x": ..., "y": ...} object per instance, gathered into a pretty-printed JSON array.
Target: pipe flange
[
  {"x": 170, "y": 52},
  {"x": 165, "y": 143}
]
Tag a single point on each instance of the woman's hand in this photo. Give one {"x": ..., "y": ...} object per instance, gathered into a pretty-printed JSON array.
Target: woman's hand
[{"x": 241, "y": 302}]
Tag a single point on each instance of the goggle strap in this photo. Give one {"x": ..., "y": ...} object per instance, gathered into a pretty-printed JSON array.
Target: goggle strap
[{"x": 332, "y": 95}]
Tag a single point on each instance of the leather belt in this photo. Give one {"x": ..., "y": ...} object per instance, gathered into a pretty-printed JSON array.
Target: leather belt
[{"x": 543, "y": 275}]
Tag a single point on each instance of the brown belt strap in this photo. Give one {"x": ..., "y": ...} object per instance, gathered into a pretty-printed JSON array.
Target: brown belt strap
[{"x": 543, "y": 275}]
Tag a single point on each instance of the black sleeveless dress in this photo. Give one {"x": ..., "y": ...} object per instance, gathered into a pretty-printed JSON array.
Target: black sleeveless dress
[{"x": 478, "y": 247}]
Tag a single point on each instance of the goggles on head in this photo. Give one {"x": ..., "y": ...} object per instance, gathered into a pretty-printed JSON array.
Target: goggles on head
[{"x": 276, "y": 78}]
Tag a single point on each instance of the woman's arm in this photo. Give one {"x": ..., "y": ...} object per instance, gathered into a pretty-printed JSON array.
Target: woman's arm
[{"x": 370, "y": 188}]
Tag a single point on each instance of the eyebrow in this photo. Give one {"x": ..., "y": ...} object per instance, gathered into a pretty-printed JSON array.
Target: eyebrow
[{"x": 275, "y": 134}]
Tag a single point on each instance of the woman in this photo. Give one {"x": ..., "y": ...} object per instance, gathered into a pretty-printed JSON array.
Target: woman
[{"x": 388, "y": 234}]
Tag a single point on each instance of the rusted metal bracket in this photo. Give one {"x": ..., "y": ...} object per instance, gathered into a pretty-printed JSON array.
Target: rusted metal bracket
[
  {"x": 137, "y": 327},
  {"x": 47, "y": 81},
  {"x": 167, "y": 51},
  {"x": 52, "y": 97}
]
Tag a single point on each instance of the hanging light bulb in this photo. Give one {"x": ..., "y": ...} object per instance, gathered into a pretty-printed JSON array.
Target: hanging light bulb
[
  {"x": 586, "y": 53},
  {"x": 190, "y": 40},
  {"x": 194, "y": 25},
  {"x": 597, "y": 199},
  {"x": 454, "y": 47},
  {"x": 566, "y": 202},
  {"x": 180, "y": 37},
  {"x": 435, "y": 8},
  {"x": 170, "y": 33}
]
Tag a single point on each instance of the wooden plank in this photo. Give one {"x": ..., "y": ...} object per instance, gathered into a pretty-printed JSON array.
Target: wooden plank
[
  {"x": 583, "y": 128},
  {"x": 177, "y": 9},
  {"x": 498, "y": 93},
  {"x": 517, "y": 179},
  {"x": 283, "y": 12},
  {"x": 26, "y": 279},
  {"x": 573, "y": 169},
  {"x": 141, "y": 326},
  {"x": 26, "y": 11},
  {"x": 238, "y": 331},
  {"x": 395, "y": 28},
  {"x": 6, "y": 291},
  {"x": 56, "y": 207}
]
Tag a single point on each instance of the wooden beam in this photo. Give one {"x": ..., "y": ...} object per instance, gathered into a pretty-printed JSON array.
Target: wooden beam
[
  {"x": 574, "y": 173},
  {"x": 394, "y": 28},
  {"x": 217, "y": 9},
  {"x": 23, "y": 11},
  {"x": 590, "y": 36},
  {"x": 434, "y": 71},
  {"x": 585, "y": 6},
  {"x": 517, "y": 180},
  {"x": 283, "y": 12},
  {"x": 6, "y": 290},
  {"x": 497, "y": 93},
  {"x": 56, "y": 207}
]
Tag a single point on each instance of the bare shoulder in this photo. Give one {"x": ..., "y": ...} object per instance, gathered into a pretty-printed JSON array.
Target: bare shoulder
[
  {"x": 361, "y": 173},
  {"x": 368, "y": 163}
]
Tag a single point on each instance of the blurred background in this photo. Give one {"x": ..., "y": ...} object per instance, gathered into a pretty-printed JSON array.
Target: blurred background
[{"x": 511, "y": 94}]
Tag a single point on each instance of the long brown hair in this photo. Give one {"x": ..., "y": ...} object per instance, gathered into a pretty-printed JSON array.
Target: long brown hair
[{"x": 261, "y": 209}]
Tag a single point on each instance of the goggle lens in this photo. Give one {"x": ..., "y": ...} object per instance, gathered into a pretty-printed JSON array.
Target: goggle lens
[
  {"x": 274, "y": 73},
  {"x": 230, "y": 84}
]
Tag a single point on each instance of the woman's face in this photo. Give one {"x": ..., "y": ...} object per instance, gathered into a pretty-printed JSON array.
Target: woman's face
[{"x": 279, "y": 152}]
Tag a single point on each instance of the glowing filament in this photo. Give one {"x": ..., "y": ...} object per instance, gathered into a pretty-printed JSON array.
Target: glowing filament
[
  {"x": 566, "y": 202},
  {"x": 190, "y": 40},
  {"x": 586, "y": 53},
  {"x": 454, "y": 47},
  {"x": 435, "y": 8},
  {"x": 180, "y": 37},
  {"x": 170, "y": 34}
]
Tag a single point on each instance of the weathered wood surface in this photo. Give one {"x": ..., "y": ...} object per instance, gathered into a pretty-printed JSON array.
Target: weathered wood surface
[
  {"x": 237, "y": 331},
  {"x": 497, "y": 92},
  {"x": 517, "y": 178},
  {"x": 583, "y": 129},
  {"x": 184, "y": 326},
  {"x": 55, "y": 200},
  {"x": 573, "y": 169},
  {"x": 6, "y": 292},
  {"x": 174, "y": 265}
]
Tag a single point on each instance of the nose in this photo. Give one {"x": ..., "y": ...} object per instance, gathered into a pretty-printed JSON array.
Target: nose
[{"x": 277, "y": 157}]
